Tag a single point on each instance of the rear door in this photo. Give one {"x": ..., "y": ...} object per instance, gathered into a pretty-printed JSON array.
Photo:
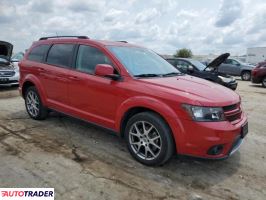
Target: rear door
[
  {"x": 230, "y": 67},
  {"x": 93, "y": 97},
  {"x": 55, "y": 74}
]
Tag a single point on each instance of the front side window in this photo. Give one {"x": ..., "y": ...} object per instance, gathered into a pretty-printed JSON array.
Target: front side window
[
  {"x": 61, "y": 55},
  {"x": 182, "y": 65},
  {"x": 88, "y": 57},
  {"x": 37, "y": 53},
  {"x": 198, "y": 65},
  {"x": 140, "y": 61}
]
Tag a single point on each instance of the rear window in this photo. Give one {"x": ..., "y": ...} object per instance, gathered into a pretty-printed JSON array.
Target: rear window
[
  {"x": 61, "y": 55},
  {"x": 37, "y": 53}
]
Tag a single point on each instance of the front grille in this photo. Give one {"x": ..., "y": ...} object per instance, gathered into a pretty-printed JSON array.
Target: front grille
[
  {"x": 7, "y": 73},
  {"x": 232, "y": 112}
]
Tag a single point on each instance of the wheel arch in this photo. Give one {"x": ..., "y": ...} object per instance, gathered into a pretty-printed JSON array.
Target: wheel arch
[
  {"x": 142, "y": 104},
  {"x": 33, "y": 81}
]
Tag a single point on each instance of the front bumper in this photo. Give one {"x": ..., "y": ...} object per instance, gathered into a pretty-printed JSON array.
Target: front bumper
[
  {"x": 231, "y": 85},
  {"x": 256, "y": 79},
  {"x": 10, "y": 81},
  {"x": 197, "y": 138}
]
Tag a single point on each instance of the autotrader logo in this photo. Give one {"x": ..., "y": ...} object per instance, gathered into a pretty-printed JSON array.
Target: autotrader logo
[{"x": 27, "y": 193}]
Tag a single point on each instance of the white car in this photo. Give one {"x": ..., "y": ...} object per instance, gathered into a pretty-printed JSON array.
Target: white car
[{"x": 9, "y": 71}]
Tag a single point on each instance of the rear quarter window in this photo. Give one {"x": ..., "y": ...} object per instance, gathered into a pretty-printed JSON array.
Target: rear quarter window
[
  {"x": 38, "y": 53},
  {"x": 61, "y": 55}
]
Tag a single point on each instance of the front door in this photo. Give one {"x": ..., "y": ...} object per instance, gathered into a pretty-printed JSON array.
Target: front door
[{"x": 92, "y": 97}]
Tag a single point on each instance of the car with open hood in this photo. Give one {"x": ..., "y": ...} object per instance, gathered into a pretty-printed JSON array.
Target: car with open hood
[
  {"x": 9, "y": 73},
  {"x": 135, "y": 93},
  {"x": 210, "y": 72}
]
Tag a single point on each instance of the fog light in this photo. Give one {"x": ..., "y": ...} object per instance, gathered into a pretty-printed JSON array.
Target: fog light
[{"x": 215, "y": 150}]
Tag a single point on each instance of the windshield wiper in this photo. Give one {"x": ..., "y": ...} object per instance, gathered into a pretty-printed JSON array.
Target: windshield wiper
[
  {"x": 173, "y": 74},
  {"x": 148, "y": 75}
]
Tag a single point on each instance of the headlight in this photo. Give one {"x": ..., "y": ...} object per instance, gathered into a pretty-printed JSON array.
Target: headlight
[
  {"x": 226, "y": 80},
  {"x": 207, "y": 114}
]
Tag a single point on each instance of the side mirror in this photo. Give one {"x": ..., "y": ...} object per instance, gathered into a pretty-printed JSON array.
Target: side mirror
[
  {"x": 105, "y": 70},
  {"x": 190, "y": 69}
]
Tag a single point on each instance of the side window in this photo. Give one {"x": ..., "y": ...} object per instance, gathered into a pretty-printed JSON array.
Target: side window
[
  {"x": 229, "y": 61},
  {"x": 61, "y": 55},
  {"x": 88, "y": 57},
  {"x": 234, "y": 62},
  {"x": 37, "y": 53},
  {"x": 182, "y": 65}
]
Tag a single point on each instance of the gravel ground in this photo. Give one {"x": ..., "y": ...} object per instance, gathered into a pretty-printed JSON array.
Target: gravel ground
[{"x": 82, "y": 161}]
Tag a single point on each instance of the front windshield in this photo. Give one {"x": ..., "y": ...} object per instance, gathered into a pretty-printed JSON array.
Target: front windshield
[
  {"x": 198, "y": 64},
  {"x": 3, "y": 60},
  {"x": 141, "y": 61},
  {"x": 18, "y": 56}
]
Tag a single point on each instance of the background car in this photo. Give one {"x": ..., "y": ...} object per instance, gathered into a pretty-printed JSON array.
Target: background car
[
  {"x": 9, "y": 73},
  {"x": 236, "y": 68},
  {"x": 208, "y": 72},
  {"x": 259, "y": 74}
]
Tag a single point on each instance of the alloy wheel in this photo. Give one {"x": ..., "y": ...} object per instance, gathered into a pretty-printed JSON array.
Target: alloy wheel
[
  {"x": 246, "y": 76},
  {"x": 145, "y": 140},
  {"x": 33, "y": 103}
]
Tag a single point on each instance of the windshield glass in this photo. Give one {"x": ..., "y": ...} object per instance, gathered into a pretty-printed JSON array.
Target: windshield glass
[
  {"x": 3, "y": 60},
  {"x": 18, "y": 56},
  {"x": 141, "y": 61},
  {"x": 198, "y": 64}
]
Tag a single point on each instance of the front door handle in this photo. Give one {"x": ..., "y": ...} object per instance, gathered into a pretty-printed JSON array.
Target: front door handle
[{"x": 74, "y": 78}]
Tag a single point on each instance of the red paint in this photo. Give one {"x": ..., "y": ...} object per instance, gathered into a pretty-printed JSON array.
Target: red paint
[{"x": 104, "y": 101}]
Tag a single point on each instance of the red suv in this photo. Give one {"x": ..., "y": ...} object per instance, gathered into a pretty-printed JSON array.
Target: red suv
[
  {"x": 259, "y": 74},
  {"x": 134, "y": 92}
]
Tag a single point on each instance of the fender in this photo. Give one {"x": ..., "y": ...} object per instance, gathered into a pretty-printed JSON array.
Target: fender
[
  {"x": 33, "y": 79},
  {"x": 153, "y": 104}
]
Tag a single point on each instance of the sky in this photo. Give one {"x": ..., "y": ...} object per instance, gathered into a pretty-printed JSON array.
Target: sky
[{"x": 204, "y": 26}]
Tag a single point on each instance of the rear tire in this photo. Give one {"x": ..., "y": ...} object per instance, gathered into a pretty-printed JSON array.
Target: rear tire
[
  {"x": 264, "y": 82},
  {"x": 246, "y": 75},
  {"x": 34, "y": 105},
  {"x": 149, "y": 139}
]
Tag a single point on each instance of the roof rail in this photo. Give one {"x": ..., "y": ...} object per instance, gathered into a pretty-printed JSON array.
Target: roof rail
[
  {"x": 65, "y": 36},
  {"x": 123, "y": 41}
]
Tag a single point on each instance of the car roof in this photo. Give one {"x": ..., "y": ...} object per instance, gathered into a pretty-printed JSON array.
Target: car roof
[
  {"x": 177, "y": 58},
  {"x": 85, "y": 40}
]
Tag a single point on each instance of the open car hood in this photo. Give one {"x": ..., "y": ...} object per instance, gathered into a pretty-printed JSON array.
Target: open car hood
[
  {"x": 6, "y": 49},
  {"x": 218, "y": 61}
]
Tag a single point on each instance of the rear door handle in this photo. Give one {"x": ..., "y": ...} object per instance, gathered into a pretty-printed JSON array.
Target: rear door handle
[
  {"x": 41, "y": 70},
  {"x": 74, "y": 78}
]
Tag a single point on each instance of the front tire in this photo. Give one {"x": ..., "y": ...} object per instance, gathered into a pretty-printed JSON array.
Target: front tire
[
  {"x": 34, "y": 105},
  {"x": 246, "y": 76},
  {"x": 149, "y": 139},
  {"x": 264, "y": 82}
]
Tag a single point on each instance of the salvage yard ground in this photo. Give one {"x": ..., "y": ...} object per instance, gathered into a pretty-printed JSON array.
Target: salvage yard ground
[{"x": 82, "y": 161}]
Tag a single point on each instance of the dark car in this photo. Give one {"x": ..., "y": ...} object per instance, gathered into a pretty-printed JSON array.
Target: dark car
[
  {"x": 259, "y": 74},
  {"x": 209, "y": 72},
  {"x": 235, "y": 67}
]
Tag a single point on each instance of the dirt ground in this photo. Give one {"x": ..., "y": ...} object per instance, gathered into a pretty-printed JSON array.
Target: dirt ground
[{"x": 82, "y": 161}]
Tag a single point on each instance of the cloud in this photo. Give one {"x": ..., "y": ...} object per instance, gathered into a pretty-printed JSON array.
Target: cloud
[
  {"x": 147, "y": 16},
  {"x": 230, "y": 10},
  {"x": 162, "y": 25}
]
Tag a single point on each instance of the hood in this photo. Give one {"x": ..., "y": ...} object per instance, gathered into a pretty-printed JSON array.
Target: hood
[
  {"x": 6, "y": 50},
  {"x": 217, "y": 61},
  {"x": 193, "y": 90}
]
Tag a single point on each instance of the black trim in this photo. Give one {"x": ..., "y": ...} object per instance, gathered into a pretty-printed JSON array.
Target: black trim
[{"x": 65, "y": 36}]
